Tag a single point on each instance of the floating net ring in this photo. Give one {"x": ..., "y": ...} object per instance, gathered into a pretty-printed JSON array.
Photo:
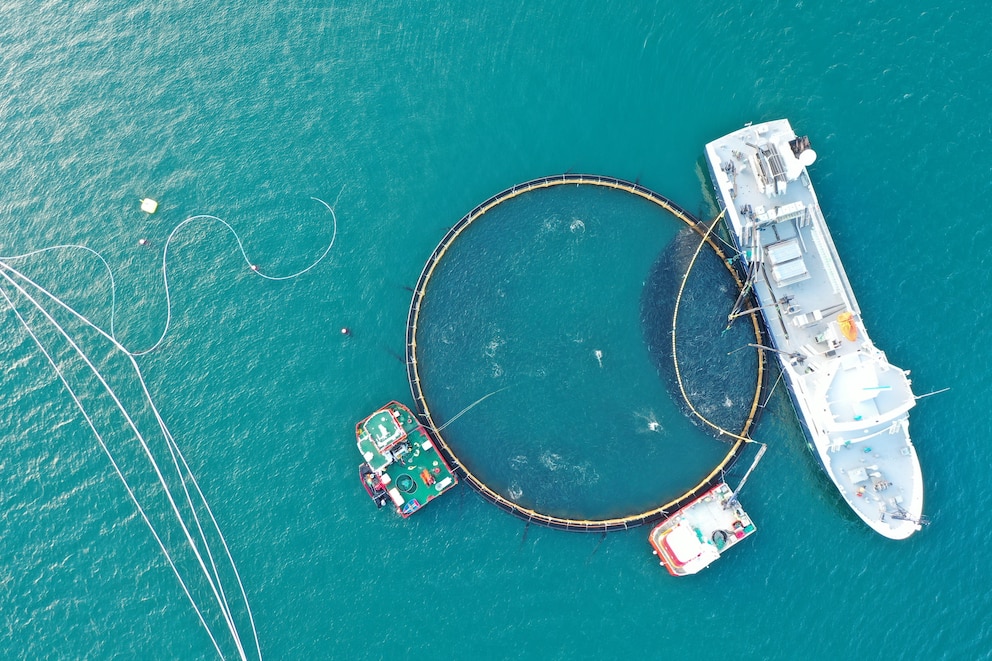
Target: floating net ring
[{"x": 740, "y": 437}]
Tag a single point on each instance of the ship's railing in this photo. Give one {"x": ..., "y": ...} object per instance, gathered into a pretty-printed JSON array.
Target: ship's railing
[{"x": 528, "y": 514}]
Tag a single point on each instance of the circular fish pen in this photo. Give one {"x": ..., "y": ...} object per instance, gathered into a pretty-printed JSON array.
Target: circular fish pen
[{"x": 507, "y": 501}]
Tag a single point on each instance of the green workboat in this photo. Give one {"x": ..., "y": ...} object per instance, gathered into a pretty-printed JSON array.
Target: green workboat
[{"x": 400, "y": 463}]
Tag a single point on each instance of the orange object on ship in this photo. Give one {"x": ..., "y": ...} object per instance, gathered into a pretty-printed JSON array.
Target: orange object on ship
[
  {"x": 426, "y": 477},
  {"x": 847, "y": 327}
]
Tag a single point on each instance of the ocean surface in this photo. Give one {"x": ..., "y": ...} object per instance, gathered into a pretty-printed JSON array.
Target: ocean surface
[{"x": 402, "y": 116}]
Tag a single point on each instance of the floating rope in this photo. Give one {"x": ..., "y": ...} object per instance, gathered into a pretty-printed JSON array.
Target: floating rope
[
  {"x": 675, "y": 357},
  {"x": 165, "y": 273},
  {"x": 470, "y": 407},
  {"x": 254, "y": 268},
  {"x": 5, "y": 271},
  {"x": 117, "y": 469},
  {"x": 181, "y": 466}
]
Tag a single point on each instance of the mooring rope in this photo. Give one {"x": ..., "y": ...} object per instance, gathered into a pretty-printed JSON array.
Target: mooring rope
[
  {"x": 469, "y": 408},
  {"x": 73, "y": 246},
  {"x": 254, "y": 268},
  {"x": 110, "y": 391},
  {"x": 225, "y": 604},
  {"x": 174, "y": 448},
  {"x": 183, "y": 471},
  {"x": 165, "y": 273},
  {"x": 117, "y": 469},
  {"x": 175, "y": 451},
  {"x": 183, "y": 525}
]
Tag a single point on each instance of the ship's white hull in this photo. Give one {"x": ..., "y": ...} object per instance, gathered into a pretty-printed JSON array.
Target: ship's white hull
[{"x": 852, "y": 403}]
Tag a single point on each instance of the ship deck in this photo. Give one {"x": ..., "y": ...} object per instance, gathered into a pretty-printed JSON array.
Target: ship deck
[{"x": 853, "y": 403}]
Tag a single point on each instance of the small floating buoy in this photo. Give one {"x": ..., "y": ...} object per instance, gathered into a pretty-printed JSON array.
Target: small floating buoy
[
  {"x": 148, "y": 205},
  {"x": 254, "y": 267},
  {"x": 346, "y": 331},
  {"x": 142, "y": 242}
]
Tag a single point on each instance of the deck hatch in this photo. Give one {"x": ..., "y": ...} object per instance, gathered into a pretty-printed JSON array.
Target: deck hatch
[{"x": 786, "y": 259}]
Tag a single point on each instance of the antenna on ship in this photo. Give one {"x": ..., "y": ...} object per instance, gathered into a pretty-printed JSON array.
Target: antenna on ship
[{"x": 930, "y": 394}]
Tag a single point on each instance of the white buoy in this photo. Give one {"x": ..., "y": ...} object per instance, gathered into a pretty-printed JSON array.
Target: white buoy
[{"x": 148, "y": 205}]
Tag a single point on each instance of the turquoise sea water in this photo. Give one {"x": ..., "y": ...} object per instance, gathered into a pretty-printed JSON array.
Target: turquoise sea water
[{"x": 405, "y": 115}]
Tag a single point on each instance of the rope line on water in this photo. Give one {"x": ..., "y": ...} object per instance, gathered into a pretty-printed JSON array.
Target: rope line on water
[
  {"x": 184, "y": 526},
  {"x": 73, "y": 246},
  {"x": 470, "y": 407},
  {"x": 675, "y": 356},
  {"x": 5, "y": 272},
  {"x": 181, "y": 466},
  {"x": 165, "y": 273},
  {"x": 117, "y": 469},
  {"x": 742, "y": 438},
  {"x": 244, "y": 255}
]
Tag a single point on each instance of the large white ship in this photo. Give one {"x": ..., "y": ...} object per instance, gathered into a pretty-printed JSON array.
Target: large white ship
[{"x": 852, "y": 403}]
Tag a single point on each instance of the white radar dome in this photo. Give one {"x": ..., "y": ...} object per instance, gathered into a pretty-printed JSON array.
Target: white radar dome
[{"x": 807, "y": 157}]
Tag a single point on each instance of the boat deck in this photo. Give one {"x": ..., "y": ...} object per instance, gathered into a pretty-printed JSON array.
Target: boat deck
[
  {"x": 697, "y": 534},
  {"x": 403, "y": 459}
]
